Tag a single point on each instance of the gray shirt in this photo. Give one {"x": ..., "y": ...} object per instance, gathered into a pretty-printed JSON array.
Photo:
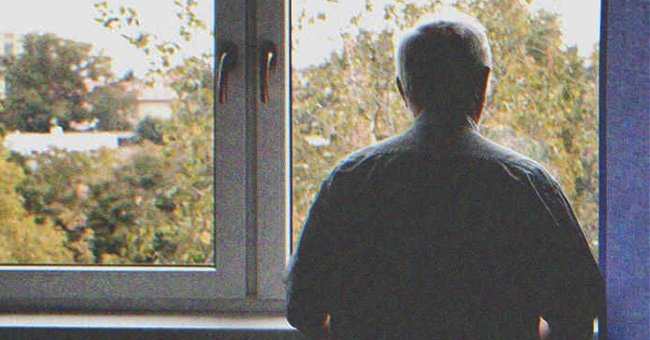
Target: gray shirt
[{"x": 440, "y": 233}]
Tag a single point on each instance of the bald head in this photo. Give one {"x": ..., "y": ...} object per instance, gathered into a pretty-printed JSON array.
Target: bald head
[{"x": 443, "y": 67}]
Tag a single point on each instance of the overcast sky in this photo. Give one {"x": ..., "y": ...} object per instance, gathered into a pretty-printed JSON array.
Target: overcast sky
[
  {"x": 580, "y": 21},
  {"x": 73, "y": 19}
]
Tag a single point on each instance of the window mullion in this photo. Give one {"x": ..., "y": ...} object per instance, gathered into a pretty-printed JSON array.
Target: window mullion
[
  {"x": 271, "y": 67},
  {"x": 230, "y": 149}
]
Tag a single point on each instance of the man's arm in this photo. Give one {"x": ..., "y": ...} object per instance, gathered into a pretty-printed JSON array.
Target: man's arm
[
  {"x": 309, "y": 269},
  {"x": 564, "y": 278}
]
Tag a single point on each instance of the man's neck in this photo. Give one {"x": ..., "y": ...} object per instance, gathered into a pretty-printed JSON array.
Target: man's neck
[{"x": 445, "y": 121}]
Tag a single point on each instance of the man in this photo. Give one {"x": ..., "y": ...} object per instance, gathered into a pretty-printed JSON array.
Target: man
[{"x": 439, "y": 233}]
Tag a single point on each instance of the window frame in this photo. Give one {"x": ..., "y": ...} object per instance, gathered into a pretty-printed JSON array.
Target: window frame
[
  {"x": 624, "y": 125},
  {"x": 251, "y": 200},
  {"x": 253, "y": 260}
]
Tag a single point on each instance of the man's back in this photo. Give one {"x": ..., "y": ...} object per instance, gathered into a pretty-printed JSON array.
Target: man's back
[{"x": 439, "y": 233}]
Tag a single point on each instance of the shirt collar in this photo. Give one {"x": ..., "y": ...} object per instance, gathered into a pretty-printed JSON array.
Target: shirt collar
[{"x": 433, "y": 122}]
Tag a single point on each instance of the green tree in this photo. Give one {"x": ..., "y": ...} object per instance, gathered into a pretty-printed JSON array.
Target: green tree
[
  {"x": 113, "y": 106},
  {"x": 543, "y": 102},
  {"x": 146, "y": 203},
  {"x": 156, "y": 208},
  {"x": 189, "y": 144},
  {"x": 149, "y": 129},
  {"x": 23, "y": 240},
  {"x": 62, "y": 80},
  {"x": 177, "y": 221},
  {"x": 123, "y": 212},
  {"x": 56, "y": 191}
]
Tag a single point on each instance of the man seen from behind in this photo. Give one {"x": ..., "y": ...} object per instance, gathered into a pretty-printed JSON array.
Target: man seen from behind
[{"x": 439, "y": 233}]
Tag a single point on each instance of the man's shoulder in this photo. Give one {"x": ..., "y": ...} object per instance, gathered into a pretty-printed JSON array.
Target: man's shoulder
[
  {"x": 523, "y": 173},
  {"x": 474, "y": 147},
  {"x": 390, "y": 147},
  {"x": 491, "y": 151},
  {"x": 478, "y": 153}
]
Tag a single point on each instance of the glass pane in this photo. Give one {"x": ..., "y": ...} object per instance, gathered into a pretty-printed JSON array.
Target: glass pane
[
  {"x": 106, "y": 123},
  {"x": 544, "y": 100}
]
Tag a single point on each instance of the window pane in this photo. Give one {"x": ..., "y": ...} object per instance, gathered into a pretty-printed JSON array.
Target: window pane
[
  {"x": 107, "y": 132},
  {"x": 544, "y": 100}
]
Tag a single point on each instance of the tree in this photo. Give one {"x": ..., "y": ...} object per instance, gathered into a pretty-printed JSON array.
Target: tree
[
  {"x": 146, "y": 203},
  {"x": 544, "y": 103},
  {"x": 152, "y": 203},
  {"x": 178, "y": 220},
  {"x": 60, "y": 80},
  {"x": 113, "y": 106},
  {"x": 156, "y": 208},
  {"x": 56, "y": 191},
  {"x": 23, "y": 240},
  {"x": 149, "y": 129}
]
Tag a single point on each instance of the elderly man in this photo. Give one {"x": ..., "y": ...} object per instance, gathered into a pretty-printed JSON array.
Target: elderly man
[{"x": 439, "y": 233}]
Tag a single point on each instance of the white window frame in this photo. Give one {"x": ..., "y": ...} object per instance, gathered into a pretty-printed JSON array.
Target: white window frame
[
  {"x": 252, "y": 229},
  {"x": 251, "y": 202}
]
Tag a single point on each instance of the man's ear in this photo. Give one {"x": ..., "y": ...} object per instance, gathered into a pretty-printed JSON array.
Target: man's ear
[
  {"x": 481, "y": 93},
  {"x": 486, "y": 77},
  {"x": 401, "y": 91}
]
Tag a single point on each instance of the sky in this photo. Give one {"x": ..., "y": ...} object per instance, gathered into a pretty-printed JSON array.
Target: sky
[
  {"x": 580, "y": 20},
  {"x": 73, "y": 19}
]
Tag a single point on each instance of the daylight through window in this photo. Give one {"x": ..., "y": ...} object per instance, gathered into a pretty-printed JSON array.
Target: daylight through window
[
  {"x": 544, "y": 100},
  {"x": 106, "y": 120}
]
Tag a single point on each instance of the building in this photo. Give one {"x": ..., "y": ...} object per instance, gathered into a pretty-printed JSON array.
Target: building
[
  {"x": 28, "y": 142},
  {"x": 154, "y": 102},
  {"x": 10, "y": 45}
]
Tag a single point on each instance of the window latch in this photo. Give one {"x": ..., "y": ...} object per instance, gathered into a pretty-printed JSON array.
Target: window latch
[
  {"x": 226, "y": 62},
  {"x": 267, "y": 64}
]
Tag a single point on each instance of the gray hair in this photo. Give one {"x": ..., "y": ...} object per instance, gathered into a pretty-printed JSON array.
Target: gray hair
[{"x": 439, "y": 64}]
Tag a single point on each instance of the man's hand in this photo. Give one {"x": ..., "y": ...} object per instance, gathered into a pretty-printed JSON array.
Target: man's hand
[
  {"x": 544, "y": 330},
  {"x": 321, "y": 332}
]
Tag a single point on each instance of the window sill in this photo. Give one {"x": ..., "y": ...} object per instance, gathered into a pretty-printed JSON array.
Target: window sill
[{"x": 146, "y": 326}]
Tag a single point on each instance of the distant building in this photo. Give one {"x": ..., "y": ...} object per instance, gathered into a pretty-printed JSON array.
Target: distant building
[
  {"x": 155, "y": 102},
  {"x": 10, "y": 45},
  {"x": 28, "y": 143}
]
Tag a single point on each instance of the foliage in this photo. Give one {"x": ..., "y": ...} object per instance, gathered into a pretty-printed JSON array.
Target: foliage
[
  {"x": 149, "y": 129},
  {"x": 113, "y": 106},
  {"x": 146, "y": 203},
  {"x": 60, "y": 80},
  {"x": 152, "y": 202},
  {"x": 56, "y": 191},
  {"x": 142, "y": 204},
  {"x": 189, "y": 143},
  {"x": 23, "y": 240},
  {"x": 157, "y": 207},
  {"x": 126, "y": 21},
  {"x": 543, "y": 102},
  {"x": 183, "y": 234}
]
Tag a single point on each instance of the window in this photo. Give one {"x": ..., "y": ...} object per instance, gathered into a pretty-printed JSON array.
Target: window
[
  {"x": 624, "y": 190},
  {"x": 245, "y": 272},
  {"x": 251, "y": 190},
  {"x": 544, "y": 104},
  {"x": 621, "y": 219}
]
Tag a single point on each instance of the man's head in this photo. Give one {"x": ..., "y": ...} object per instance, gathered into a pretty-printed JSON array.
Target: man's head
[{"x": 443, "y": 68}]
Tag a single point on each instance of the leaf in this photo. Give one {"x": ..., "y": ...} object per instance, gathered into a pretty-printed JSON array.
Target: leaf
[{"x": 108, "y": 23}]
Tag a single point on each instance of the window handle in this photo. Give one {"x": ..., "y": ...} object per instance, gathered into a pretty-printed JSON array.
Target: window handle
[
  {"x": 267, "y": 64},
  {"x": 226, "y": 62}
]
